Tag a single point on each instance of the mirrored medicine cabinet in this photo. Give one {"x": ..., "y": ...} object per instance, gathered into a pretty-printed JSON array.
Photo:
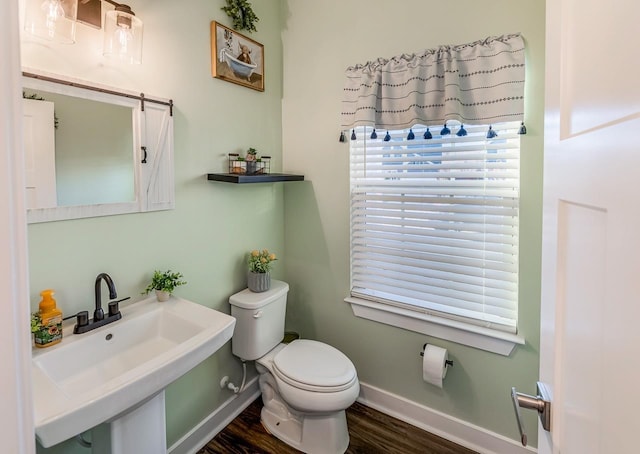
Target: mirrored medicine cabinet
[{"x": 92, "y": 150}]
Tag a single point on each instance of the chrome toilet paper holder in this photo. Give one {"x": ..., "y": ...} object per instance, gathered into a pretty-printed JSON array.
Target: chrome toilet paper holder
[{"x": 447, "y": 363}]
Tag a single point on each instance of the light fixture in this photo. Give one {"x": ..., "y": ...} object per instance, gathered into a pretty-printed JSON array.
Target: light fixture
[
  {"x": 54, "y": 20},
  {"x": 123, "y": 34}
]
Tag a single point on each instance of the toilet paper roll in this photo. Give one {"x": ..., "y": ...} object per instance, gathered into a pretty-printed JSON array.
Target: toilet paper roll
[{"x": 434, "y": 366}]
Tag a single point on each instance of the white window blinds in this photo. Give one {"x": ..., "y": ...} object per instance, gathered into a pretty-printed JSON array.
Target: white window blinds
[{"x": 434, "y": 222}]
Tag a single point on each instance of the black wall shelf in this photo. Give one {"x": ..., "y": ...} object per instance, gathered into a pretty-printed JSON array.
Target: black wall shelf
[{"x": 264, "y": 178}]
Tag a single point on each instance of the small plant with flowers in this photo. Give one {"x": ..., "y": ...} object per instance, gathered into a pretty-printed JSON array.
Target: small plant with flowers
[{"x": 261, "y": 261}]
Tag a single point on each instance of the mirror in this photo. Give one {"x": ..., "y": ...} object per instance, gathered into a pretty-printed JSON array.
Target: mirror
[{"x": 93, "y": 150}]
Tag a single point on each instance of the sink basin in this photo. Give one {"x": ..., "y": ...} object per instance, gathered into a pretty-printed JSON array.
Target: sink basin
[{"x": 99, "y": 376}]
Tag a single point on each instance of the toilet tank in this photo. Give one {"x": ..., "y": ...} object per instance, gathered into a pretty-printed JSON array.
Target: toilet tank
[{"x": 259, "y": 320}]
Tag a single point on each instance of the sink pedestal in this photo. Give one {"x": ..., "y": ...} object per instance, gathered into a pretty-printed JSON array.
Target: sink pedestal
[{"x": 139, "y": 431}]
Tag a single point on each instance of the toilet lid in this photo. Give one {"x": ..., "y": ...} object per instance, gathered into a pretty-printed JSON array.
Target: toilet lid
[{"x": 314, "y": 366}]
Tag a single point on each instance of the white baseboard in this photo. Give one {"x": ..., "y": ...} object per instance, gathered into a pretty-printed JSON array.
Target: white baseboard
[
  {"x": 438, "y": 423},
  {"x": 456, "y": 430},
  {"x": 209, "y": 427}
]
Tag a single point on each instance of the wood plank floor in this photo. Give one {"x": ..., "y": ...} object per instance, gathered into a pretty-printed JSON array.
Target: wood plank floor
[{"x": 370, "y": 432}]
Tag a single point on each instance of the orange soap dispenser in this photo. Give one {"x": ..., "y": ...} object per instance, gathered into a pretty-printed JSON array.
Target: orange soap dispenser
[{"x": 50, "y": 332}]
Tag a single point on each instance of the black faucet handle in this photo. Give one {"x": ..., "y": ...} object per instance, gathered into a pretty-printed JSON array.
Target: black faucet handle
[
  {"x": 82, "y": 318},
  {"x": 114, "y": 308},
  {"x": 82, "y": 322}
]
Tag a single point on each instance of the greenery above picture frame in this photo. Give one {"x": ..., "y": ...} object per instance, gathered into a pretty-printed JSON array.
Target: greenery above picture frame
[
  {"x": 242, "y": 15},
  {"x": 236, "y": 58}
]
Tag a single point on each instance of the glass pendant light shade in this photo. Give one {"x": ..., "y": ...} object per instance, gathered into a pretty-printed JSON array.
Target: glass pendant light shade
[
  {"x": 123, "y": 35},
  {"x": 54, "y": 20}
]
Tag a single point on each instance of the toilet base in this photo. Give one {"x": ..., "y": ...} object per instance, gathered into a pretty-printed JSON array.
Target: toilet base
[{"x": 312, "y": 434}]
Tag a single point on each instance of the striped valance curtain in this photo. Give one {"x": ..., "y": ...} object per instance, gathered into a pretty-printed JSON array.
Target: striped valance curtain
[{"x": 476, "y": 83}]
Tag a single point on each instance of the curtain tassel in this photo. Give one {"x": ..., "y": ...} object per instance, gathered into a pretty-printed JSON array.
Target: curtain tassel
[
  {"x": 411, "y": 135},
  {"x": 491, "y": 133},
  {"x": 387, "y": 137},
  {"x": 427, "y": 134},
  {"x": 462, "y": 132},
  {"x": 373, "y": 134},
  {"x": 353, "y": 134},
  {"x": 445, "y": 131},
  {"x": 342, "y": 138},
  {"x": 523, "y": 129}
]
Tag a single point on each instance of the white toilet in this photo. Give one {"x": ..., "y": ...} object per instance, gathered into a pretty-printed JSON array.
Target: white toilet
[{"x": 306, "y": 385}]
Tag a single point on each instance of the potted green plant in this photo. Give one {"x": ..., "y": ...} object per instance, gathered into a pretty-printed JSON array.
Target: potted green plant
[
  {"x": 260, "y": 263},
  {"x": 164, "y": 283},
  {"x": 251, "y": 159}
]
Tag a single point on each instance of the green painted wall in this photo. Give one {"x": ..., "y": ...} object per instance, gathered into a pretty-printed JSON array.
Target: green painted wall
[
  {"x": 213, "y": 225},
  {"x": 320, "y": 40},
  {"x": 307, "y": 47}
]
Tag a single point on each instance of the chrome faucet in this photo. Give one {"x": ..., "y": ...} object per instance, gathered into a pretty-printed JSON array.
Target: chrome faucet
[{"x": 83, "y": 324}]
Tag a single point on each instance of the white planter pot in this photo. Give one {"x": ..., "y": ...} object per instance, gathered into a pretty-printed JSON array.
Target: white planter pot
[{"x": 162, "y": 296}]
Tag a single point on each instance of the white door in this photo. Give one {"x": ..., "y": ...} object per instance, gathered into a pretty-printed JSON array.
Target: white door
[
  {"x": 16, "y": 417},
  {"x": 590, "y": 337},
  {"x": 40, "y": 153}
]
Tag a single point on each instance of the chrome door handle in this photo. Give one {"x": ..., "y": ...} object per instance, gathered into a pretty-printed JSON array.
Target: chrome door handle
[{"x": 541, "y": 403}]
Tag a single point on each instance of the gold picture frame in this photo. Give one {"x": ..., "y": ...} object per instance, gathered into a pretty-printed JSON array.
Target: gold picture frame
[{"x": 236, "y": 58}]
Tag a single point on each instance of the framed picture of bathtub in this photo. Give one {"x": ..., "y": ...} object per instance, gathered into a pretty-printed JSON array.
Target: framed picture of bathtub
[{"x": 236, "y": 58}]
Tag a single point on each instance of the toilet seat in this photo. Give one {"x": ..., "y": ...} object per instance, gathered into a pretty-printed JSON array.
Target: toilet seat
[{"x": 314, "y": 366}]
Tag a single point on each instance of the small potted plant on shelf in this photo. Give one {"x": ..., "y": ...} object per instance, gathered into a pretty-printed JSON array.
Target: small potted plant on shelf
[
  {"x": 251, "y": 158},
  {"x": 164, "y": 283},
  {"x": 260, "y": 263}
]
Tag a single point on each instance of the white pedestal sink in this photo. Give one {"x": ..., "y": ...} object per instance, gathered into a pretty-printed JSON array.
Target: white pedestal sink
[{"x": 117, "y": 374}]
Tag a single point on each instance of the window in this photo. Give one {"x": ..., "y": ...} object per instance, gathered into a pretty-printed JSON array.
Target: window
[{"x": 434, "y": 223}]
